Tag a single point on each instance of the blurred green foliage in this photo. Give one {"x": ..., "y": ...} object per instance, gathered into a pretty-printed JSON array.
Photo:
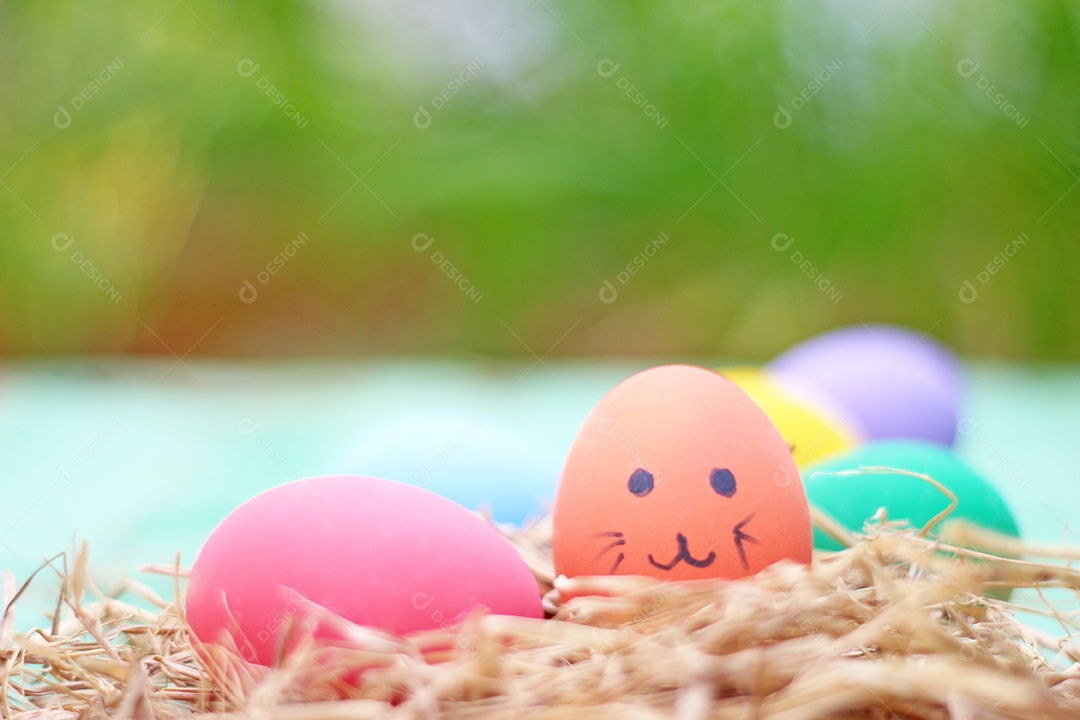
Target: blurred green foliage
[{"x": 923, "y": 139}]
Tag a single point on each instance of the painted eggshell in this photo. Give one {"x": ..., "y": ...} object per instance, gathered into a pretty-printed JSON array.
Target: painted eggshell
[
  {"x": 677, "y": 474},
  {"x": 812, "y": 430},
  {"x": 852, "y": 499},
  {"x": 893, "y": 382},
  {"x": 476, "y": 460},
  {"x": 374, "y": 552}
]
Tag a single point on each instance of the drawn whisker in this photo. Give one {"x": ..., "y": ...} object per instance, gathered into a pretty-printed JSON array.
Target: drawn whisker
[
  {"x": 617, "y": 542},
  {"x": 609, "y": 548},
  {"x": 745, "y": 520},
  {"x": 741, "y": 537}
]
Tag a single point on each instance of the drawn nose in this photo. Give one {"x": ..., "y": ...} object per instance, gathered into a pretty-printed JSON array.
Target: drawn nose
[{"x": 688, "y": 558}]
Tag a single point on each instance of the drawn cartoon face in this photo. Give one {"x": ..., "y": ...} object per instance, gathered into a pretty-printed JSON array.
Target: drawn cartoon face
[{"x": 677, "y": 474}]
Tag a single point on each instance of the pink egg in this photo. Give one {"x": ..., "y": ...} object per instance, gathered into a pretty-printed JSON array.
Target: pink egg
[{"x": 375, "y": 552}]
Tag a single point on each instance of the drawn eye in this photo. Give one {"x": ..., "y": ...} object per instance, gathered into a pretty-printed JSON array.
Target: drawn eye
[
  {"x": 641, "y": 482},
  {"x": 723, "y": 482}
]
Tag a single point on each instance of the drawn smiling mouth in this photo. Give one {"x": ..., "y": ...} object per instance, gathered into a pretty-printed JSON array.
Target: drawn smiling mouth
[{"x": 685, "y": 556}]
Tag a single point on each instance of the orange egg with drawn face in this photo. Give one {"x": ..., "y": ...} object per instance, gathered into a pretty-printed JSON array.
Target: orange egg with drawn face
[{"x": 677, "y": 474}]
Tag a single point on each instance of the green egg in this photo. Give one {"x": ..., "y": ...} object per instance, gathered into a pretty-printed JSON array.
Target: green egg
[{"x": 854, "y": 499}]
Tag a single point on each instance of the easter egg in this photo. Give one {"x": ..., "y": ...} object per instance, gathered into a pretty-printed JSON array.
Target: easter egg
[
  {"x": 853, "y": 498},
  {"x": 372, "y": 551},
  {"x": 811, "y": 430},
  {"x": 677, "y": 474},
  {"x": 474, "y": 459},
  {"x": 892, "y": 382}
]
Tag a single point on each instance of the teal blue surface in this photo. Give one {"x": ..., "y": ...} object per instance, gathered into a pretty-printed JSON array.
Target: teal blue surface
[
  {"x": 143, "y": 458},
  {"x": 476, "y": 460},
  {"x": 839, "y": 487}
]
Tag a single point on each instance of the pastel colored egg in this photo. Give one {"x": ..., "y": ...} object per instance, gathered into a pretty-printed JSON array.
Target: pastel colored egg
[
  {"x": 677, "y": 474},
  {"x": 372, "y": 551},
  {"x": 811, "y": 430},
  {"x": 474, "y": 459},
  {"x": 892, "y": 382},
  {"x": 854, "y": 498}
]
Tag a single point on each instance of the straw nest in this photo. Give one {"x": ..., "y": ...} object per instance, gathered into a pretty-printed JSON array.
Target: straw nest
[{"x": 893, "y": 627}]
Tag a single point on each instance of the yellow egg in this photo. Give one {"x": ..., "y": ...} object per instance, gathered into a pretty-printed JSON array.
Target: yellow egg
[{"x": 812, "y": 431}]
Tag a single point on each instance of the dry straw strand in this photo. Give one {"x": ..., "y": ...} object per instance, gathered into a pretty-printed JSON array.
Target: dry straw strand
[{"x": 893, "y": 626}]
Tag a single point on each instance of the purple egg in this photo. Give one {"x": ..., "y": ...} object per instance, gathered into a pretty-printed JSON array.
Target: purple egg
[{"x": 892, "y": 382}]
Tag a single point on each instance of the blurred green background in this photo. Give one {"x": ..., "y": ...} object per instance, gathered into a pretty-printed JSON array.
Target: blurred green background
[{"x": 805, "y": 164}]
